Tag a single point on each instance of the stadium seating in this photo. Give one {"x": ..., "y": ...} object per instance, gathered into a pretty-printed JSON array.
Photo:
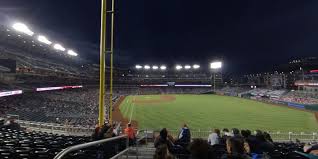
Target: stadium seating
[{"x": 38, "y": 145}]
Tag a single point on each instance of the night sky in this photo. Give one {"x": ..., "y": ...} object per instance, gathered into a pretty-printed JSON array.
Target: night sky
[{"x": 249, "y": 35}]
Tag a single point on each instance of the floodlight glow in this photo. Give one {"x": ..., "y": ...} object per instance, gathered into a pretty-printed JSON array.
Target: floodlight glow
[
  {"x": 20, "y": 27},
  {"x": 59, "y": 47},
  {"x": 196, "y": 66},
  {"x": 44, "y": 40},
  {"x": 179, "y": 67},
  {"x": 187, "y": 67},
  {"x": 138, "y": 67},
  {"x": 72, "y": 53},
  {"x": 163, "y": 67},
  {"x": 146, "y": 67},
  {"x": 155, "y": 67},
  {"x": 216, "y": 65}
]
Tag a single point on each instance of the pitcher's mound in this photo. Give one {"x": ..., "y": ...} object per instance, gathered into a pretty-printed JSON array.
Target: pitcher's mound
[{"x": 161, "y": 99}]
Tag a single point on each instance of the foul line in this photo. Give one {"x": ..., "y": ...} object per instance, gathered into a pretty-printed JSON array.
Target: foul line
[{"x": 132, "y": 109}]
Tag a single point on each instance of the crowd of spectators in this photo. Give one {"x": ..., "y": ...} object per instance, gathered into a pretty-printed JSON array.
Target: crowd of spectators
[
  {"x": 228, "y": 145},
  {"x": 69, "y": 107},
  {"x": 301, "y": 97}
]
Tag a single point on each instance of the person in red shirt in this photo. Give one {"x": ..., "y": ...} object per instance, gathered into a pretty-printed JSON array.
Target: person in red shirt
[{"x": 130, "y": 132}]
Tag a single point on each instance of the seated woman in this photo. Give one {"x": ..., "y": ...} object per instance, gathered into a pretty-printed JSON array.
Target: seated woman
[
  {"x": 236, "y": 149},
  {"x": 164, "y": 139}
]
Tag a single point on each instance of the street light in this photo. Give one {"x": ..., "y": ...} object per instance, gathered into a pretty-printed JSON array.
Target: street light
[
  {"x": 20, "y": 27},
  {"x": 215, "y": 66}
]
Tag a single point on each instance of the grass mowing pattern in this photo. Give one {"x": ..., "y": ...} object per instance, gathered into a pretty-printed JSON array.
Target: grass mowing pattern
[{"x": 212, "y": 111}]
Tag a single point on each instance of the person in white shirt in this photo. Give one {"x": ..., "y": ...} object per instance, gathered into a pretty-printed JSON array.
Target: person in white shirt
[{"x": 214, "y": 138}]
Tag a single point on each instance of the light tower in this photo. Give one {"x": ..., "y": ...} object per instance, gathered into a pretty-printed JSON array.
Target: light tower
[{"x": 215, "y": 67}]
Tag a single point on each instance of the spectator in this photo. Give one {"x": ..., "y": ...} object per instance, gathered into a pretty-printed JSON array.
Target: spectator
[
  {"x": 130, "y": 132},
  {"x": 164, "y": 139},
  {"x": 226, "y": 135},
  {"x": 236, "y": 132},
  {"x": 268, "y": 137},
  {"x": 12, "y": 125},
  {"x": 263, "y": 144},
  {"x": 162, "y": 152},
  {"x": 184, "y": 136},
  {"x": 245, "y": 134},
  {"x": 200, "y": 149},
  {"x": 235, "y": 149},
  {"x": 214, "y": 138},
  {"x": 95, "y": 135}
]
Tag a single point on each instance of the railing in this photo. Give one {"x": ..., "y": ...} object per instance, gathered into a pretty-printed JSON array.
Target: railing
[
  {"x": 144, "y": 137},
  {"x": 89, "y": 144},
  {"x": 276, "y": 136}
]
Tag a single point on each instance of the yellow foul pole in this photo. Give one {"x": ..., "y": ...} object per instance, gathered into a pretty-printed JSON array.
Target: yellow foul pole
[
  {"x": 101, "y": 113},
  {"x": 111, "y": 63}
]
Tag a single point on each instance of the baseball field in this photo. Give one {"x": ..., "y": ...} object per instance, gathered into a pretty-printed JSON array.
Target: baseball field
[{"x": 212, "y": 111}]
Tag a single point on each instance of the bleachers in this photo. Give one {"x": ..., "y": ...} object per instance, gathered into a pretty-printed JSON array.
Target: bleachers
[{"x": 34, "y": 145}]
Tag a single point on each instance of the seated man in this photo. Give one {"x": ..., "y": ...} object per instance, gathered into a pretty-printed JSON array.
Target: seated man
[
  {"x": 184, "y": 137},
  {"x": 214, "y": 138}
]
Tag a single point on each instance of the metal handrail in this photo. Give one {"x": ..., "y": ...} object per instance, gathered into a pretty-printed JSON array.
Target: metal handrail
[
  {"x": 121, "y": 153},
  {"x": 85, "y": 145},
  {"x": 127, "y": 149}
]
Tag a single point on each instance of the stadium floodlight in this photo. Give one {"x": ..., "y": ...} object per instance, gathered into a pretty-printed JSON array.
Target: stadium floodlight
[
  {"x": 59, "y": 47},
  {"x": 146, "y": 67},
  {"x": 20, "y": 27},
  {"x": 72, "y": 53},
  {"x": 187, "y": 67},
  {"x": 163, "y": 67},
  {"x": 216, "y": 65},
  {"x": 155, "y": 67},
  {"x": 44, "y": 40},
  {"x": 179, "y": 67},
  {"x": 138, "y": 67},
  {"x": 195, "y": 66}
]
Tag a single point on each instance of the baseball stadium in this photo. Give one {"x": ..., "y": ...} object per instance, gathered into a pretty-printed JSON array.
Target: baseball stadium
[{"x": 121, "y": 92}]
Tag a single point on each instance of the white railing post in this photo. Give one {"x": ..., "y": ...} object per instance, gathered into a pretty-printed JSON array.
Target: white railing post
[{"x": 289, "y": 136}]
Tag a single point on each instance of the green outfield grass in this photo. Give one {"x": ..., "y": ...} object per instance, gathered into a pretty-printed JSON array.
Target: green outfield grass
[{"x": 211, "y": 111}]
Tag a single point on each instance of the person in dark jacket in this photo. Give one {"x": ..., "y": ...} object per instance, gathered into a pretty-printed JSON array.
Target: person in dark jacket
[
  {"x": 184, "y": 137},
  {"x": 164, "y": 138},
  {"x": 226, "y": 135},
  {"x": 200, "y": 149}
]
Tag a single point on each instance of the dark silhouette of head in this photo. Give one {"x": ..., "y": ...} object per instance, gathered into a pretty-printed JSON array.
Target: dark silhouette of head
[
  {"x": 235, "y": 131},
  {"x": 164, "y": 133},
  {"x": 244, "y": 133},
  {"x": 199, "y": 149},
  {"x": 235, "y": 146}
]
